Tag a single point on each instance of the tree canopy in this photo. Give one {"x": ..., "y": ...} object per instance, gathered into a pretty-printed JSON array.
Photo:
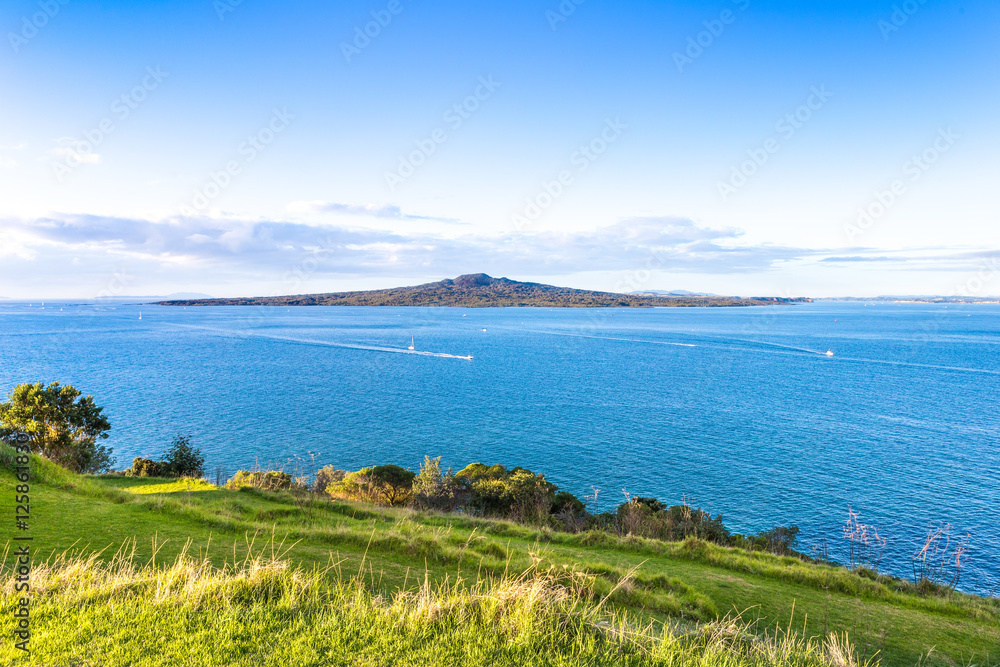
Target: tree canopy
[
  {"x": 63, "y": 427},
  {"x": 386, "y": 485},
  {"x": 496, "y": 491},
  {"x": 183, "y": 460}
]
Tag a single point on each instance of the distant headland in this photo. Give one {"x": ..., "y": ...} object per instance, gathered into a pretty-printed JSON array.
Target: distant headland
[{"x": 478, "y": 290}]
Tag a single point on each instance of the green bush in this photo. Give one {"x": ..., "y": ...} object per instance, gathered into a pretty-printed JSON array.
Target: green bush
[
  {"x": 564, "y": 500},
  {"x": 183, "y": 460},
  {"x": 647, "y": 517},
  {"x": 269, "y": 480},
  {"x": 517, "y": 494},
  {"x": 779, "y": 540},
  {"x": 389, "y": 485},
  {"x": 326, "y": 476},
  {"x": 652, "y": 503},
  {"x": 146, "y": 468},
  {"x": 434, "y": 489},
  {"x": 355, "y": 485}
]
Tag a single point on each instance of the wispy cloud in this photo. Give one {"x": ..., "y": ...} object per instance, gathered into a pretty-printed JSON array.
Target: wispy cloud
[
  {"x": 676, "y": 243},
  {"x": 231, "y": 251},
  {"x": 70, "y": 149},
  {"x": 921, "y": 256},
  {"x": 860, "y": 258},
  {"x": 367, "y": 210}
]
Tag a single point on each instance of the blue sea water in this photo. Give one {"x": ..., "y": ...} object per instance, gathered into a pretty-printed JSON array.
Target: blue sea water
[{"x": 736, "y": 410}]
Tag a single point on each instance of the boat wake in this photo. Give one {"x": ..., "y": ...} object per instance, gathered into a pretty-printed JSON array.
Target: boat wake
[
  {"x": 623, "y": 340},
  {"x": 888, "y": 362},
  {"x": 326, "y": 343},
  {"x": 784, "y": 347}
]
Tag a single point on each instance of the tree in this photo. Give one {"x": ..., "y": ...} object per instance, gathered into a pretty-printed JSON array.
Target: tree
[
  {"x": 517, "y": 493},
  {"x": 326, "y": 476},
  {"x": 564, "y": 500},
  {"x": 63, "y": 427},
  {"x": 433, "y": 488},
  {"x": 356, "y": 485},
  {"x": 270, "y": 480},
  {"x": 779, "y": 540},
  {"x": 393, "y": 483},
  {"x": 385, "y": 485},
  {"x": 183, "y": 460},
  {"x": 146, "y": 468}
]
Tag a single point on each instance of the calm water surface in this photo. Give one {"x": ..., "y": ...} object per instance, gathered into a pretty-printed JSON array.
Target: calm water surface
[{"x": 737, "y": 409}]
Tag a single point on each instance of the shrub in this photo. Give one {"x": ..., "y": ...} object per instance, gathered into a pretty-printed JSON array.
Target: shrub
[
  {"x": 183, "y": 460},
  {"x": 647, "y": 517},
  {"x": 269, "y": 480},
  {"x": 384, "y": 485},
  {"x": 564, "y": 500},
  {"x": 652, "y": 503},
  {"x": 779, "y": 540},
  {"x": 518, "y": 493},
  {"x": 528, "y": 495},
  {"x": 355, "y": 485},
  {"x": 326, "y": 476},
  {"x": 434, "y": 489},
  {"x": 146, "y": 468}
]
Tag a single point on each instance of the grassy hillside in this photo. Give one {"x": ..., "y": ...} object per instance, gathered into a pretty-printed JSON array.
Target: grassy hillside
[
  {"x": 479, "y": 290},
  {"x": 308, "y": 581}
]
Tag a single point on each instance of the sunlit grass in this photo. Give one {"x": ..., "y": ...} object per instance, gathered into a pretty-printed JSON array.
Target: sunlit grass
[
  {"x": 262, "y": 610},
  {"x": 686, "y": 585},
  {"x": 147, "y": 485}
]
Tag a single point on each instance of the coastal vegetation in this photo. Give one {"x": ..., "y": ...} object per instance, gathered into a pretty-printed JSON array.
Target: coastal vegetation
[
  {"x": 479, "y": 290},
  {"x": 181, "y": 460},
  {"x": 148, "y": 571},
  {"x": 486, "y": 565},
  {"x": 521, "y": 496},
  {"x": 63, "y": 427}
]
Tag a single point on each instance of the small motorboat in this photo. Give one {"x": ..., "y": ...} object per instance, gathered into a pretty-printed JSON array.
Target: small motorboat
[{"x": 829, "y": 353}]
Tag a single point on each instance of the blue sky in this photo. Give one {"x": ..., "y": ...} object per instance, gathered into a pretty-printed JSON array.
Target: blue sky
[{"x": 737, "y": 147}]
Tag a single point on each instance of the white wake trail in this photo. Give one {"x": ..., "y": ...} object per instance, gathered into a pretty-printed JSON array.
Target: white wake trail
[{"x": 324, "y": 343}]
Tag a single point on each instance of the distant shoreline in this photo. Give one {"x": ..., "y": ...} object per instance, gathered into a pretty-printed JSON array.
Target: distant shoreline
[{"x": 482, "y": 291}]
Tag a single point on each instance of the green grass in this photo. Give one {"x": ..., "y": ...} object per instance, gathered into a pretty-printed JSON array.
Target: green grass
[
  {"x": 262, "y": 611},
  {"x": 685, "y": 586},
  {"x": 146, "y": 485}
]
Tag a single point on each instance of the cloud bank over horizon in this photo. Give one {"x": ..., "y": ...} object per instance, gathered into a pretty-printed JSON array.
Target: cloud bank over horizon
[{"x": 230, "y": 255}]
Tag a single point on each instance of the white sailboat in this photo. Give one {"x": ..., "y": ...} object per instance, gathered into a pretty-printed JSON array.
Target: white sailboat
[
  {"x": 411, "y": 344},
  {"x": 140, "y": 314}
]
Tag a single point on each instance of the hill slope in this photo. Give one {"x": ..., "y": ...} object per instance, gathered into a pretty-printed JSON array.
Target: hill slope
[
  {"x": 479, "y": 290},
  {"x": 689, "y": 583}
]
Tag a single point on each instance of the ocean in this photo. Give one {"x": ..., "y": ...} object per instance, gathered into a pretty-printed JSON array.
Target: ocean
[{"x": 737, "y": 410}]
